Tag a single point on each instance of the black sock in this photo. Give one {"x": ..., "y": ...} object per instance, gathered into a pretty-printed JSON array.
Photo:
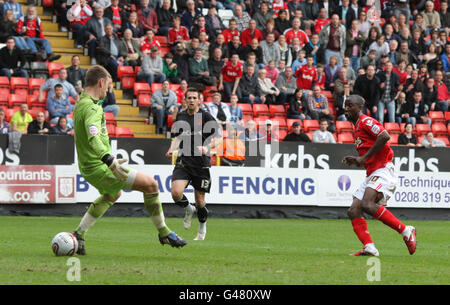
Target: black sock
[
  {"x": 183, "y": 202},
  {"x": 202, "y": 214}
]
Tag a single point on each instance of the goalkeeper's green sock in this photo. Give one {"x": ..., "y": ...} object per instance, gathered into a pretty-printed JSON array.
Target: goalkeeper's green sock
[
  {"x": 95, "y": 211},
  {"x": 154, "y": 209}
]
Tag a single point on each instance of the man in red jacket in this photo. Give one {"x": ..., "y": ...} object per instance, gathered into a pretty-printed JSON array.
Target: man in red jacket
[
  {"x": 250, "y": 33},
  {"x": 30, "y": 27}
]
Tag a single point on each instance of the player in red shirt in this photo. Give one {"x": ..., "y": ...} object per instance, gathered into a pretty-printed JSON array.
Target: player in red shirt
[
  {"x": 178, "y": 33},
  {"x": 230, "y": 76},
  {"x": 307, "y": 74},
  {"x": 295, "y": 31},
  {"x": 376, "y": 156}
]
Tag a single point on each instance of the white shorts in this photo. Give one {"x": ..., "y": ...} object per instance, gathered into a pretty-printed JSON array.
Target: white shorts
[{"x": 382, "y": 180}]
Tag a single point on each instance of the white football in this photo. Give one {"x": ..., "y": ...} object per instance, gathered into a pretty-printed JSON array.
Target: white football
[{"x": 64, "y": 244}]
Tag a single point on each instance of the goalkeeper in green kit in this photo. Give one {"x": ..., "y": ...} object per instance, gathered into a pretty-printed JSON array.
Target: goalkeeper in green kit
[{"x": 105, "y": 172}]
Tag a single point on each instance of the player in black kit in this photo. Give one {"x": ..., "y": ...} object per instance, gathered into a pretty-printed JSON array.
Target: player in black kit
[{"x": 192, "y": 133}]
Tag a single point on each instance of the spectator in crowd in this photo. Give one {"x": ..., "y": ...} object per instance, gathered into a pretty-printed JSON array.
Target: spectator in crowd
[
  {"x": 249, "y": 86},
  {"x": 269, "y": 93},
  {"x": 242, "y": 18},
  {"x": 368, "y": 86},
  {"x": 269, "y": 131},
  {"x": 430, "y": 141},
  {"x": 390, "y": 86},
  {"x": 340, "y": 102},
  {"x": 39, "y": 126},
  {"x": 298, "y": 108},
  {"x": 408, "y": 138},
  {"x": 333, "y": 36},
  {"x": 296, "y": 135},
  {"x": 415, "y": 110},
  {"x": 219, "y": 110},
  {"x": 363, "y": 24},
  {"x": 109, "y": 103},
  {"x": 430, "y": 94},
  {"x": 320, "y": 76},
  {"x": 232, "y": 150},
  {"x": 200, "y": 26},
  {"x": 272, "y": 71},
  {"x": 220, "y": 43},
  {"x": 178, "y": 34},
  {"x": 78, "y": 15},
  {"x": 321, "y": 21},
  {"x": 132, "y": 48},
  {"x": 203, "y": 44},
  {"x": 287, "y": 84},
  {"x": 251, "y": 133},
  {"x": 20, "y": 119},
  {"x": 369, "y": 59},
  {"x": 181, "y": 58},
  {"x": 170, "y": 69},
  {"x": 299, "y": 61},
  {"x": 401, "y": 108},
  {"x": 190, "y": 14},
  {"x": 262, "y": 15},
  {"x": 355, "y": 38},
  {"x": 322, "y": 135},
  {"x": 420, "y": 25},
  {"x": 59, "y": 106},
  {"x": 417, "y": 45},
  {"x": 270, "y": 50},
  {"x": 111, "y": 53},
  {"x": 152, "y": 68},
  {"x": 4, "y": 126},
  {"x": 444, "y": 15},
  {"x": 198, "y": 69},
  {"x": 285, "y": 52},
  {"x": 341, "y": 81},
  {"x": 231, "y": 31},
  {"x": 214, "y": 23},
  {"x": 166, "y": 16},
  {"x": 270, "y": 29},
  {"x": 443, "y": 94},
  {"x": 31, "y": 27},
  {"x": 133, "y": 24},
  {"x": 431, "y": 17},
  {"x": 404, "y": 54},
  {"x": 76, "y": 75},
  {"x": 215, "y": 64},
  {"x": 282, "y": 23},
  {"x": 431, "y": 57},
  {"x": 8, "y": 27},
  {"x": 296, "y": 32},
  {"x": 15, "y": 7},
  {"x": 230, "y": 77},
  {"x": 413, "y": 84},
  {"x": 148, "y": 42},
  {"x": 49, "y": 85},
  {"x": 12, "y": 61},
  {"x": 318, "y": 107},
  {"x": 255, "y": 48},
  {"x": 62, "y": 128},
  {"x": 147, "y": 17},
  {"x": 351, "y": 74},
  {"x": 163, "y": 103},
  {"x": 250, "y": 33},
  {"x": 374, "y": 34},
  {"x": 331, "y": 69},
  {"x": 307, "y": 74},
  {"x": 236, "y": 118},
  {"x": 445, "y": 58},
  {"x": 94, "y": 30},
  {"x": 380, "y": 46},
  {"x": 181, "y": 91}
]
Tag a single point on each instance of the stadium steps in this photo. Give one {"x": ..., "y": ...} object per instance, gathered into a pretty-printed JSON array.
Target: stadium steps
[{"x": 128, "y": 116}]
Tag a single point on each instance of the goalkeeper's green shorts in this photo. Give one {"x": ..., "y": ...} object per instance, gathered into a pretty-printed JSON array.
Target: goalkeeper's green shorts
[{"x": 105, "y": 182}]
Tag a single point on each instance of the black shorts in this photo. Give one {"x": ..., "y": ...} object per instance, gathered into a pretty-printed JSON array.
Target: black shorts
[{"x": 199, "y": 178}]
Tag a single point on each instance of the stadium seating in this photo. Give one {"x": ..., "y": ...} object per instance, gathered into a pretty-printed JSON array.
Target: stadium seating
[
  {"x": 123, "y": 132},
  {"x": 163, "y": 40},
  {"x": 445, "y": 140},
  {"x": 246, "y": 109},
  {"x": 33, "y": 101},
  {"x": 17, "y": 99},
  {"x": 19, "y": 85},
  {"x": 422, "y": 129},
  {"x": 289, "y": 122},
  {"x": 110, "y": 119},
  {"x": 9, "y": 113},
  {"x": 156, "y": 86},
  {"x": 39, "y": 70},
  {"x": 4, "y": 97},
  {"x": 392, "y": 128},
  {"x": 111, "y": 130},
  {"x": 282, "y": 134},
  {"x": 394, "y": 138},
  {"x": 260, "y": 111},
  {"x": 439, "y": 129},
  {"x": 4, "y": 82},
  {"x": 280, "y": 123},
  {"x": 53, "y": 68},
  {"x": 144, "y": 100},
  {"x": 346, "y": 138},
  {"x": 344, "y": 126},
  {"x": 35, "y": 84},
  {"x": 436, "y": 116},
  {"x": 277, "y": 110},
  {"x": 310, "y": 125},
  {"x": 141, "y": 88},
  {"x": 447, "y": 116},
  {"x": 127, "y": 77}
]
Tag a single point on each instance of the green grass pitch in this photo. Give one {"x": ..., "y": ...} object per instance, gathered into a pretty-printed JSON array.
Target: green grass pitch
[{"x": 236, "y": 251}]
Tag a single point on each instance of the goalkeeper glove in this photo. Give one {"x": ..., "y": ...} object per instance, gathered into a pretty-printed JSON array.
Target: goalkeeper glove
[{"x": 115, "y": 165}]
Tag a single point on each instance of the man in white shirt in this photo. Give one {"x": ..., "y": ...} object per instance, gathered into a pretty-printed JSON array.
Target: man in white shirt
[{"x": 322, "y": 135}]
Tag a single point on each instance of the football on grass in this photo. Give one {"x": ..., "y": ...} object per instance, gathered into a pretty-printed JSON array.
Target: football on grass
[{"x": 64, "y": 244}]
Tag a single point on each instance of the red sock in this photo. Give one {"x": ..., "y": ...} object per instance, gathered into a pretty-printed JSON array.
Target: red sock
[
  {"x": 360, "y": 228},
  {"x": 389, "y": 219}
]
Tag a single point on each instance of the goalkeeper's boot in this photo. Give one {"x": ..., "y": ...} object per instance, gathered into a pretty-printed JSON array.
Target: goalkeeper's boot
[
  {"x": 190, "y": 210},
  {"x": 80, "y": 250},
  {"x": 368, "y": 250},
  {"x": 172, "y": 239},
  {"x": 410, "y": 240}
]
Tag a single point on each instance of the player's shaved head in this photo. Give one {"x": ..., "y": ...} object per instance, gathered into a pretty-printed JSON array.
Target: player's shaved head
[{"x": 357, "y": 99}]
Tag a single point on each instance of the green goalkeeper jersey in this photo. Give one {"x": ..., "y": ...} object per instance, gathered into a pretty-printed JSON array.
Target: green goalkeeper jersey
[{"x": 91, "y": 135}]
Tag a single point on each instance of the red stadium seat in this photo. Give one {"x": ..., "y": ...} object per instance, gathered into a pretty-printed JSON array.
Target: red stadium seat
[
  {"x": 344, "y": 126},
  {"x": 445, "y": 140},
  {"x": 53, "y": 68},
  {"x": 4, "y": 82},
  {"x": 111, "y": 130},
  {"x": 394, "y": 138},
  {"x": 246, "y": 109},
  {"x": 392, "y": 128},
  {"x": 280, "y": 123},
  {"x": 277, "y": 110},
  {"x": 156, "y": 86},
  {"x": 9, "y": 113},
  {"x": 110, "y": 119},
  {"x": 310, "y": 125},
  {"x": 17, "y": 99},
  {"x": 260, "y": 122},
  {"x": 282, "y": 134},
  {"x": 289, "y": 122},
  {"x": 123, "y": 132},
  {"x": 310, "y": 135},
  {"x": 35, "y": 84},
  {"x": 447, "y": 116},
  {"x": 422, "y": 129},
  {"x": 436, "y": 116},
  {"x": 47, "y": 3},
  {"x": 141, "y": 88},
  {"x": 19, "y": 85},
  {"x": 34, "y": 111},
  {"x": 33, "y": 101},
  {"x": 4, "y": 96},
  {"x": 144, "y": 100},
  {"x": 170, "y": 120},
  {"x": 174, "y": 87},
  {"x": 346, "y": 138},
  {"x": 164, "y": 51},
  {"x": 439, "y": 129},
  {"x": 246, "y": 118},
  {"x": 72, "y": 100},
  {"x": 163, "y": 40},
  {"x": 123, "y": 71},
  {"x": 261, "y": 110}
]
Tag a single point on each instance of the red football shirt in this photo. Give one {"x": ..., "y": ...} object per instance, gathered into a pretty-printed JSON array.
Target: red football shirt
[
  {"x": 228, "y": 34},
  {"x": 230, "y": 72},
  {"x": 180, "y": 34},
  {"x": 306, "y": 77},
  {"x": 320, "y": 23},
  {"x": 147, "y": 46},
  {"x": 276, "y": 7},
  {"x": 366, "y": 133},
  {"x": 291, "y": 34}
]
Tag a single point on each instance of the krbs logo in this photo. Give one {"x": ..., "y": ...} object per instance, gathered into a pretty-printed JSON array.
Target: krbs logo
[{"x": 344, "y": 183}]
